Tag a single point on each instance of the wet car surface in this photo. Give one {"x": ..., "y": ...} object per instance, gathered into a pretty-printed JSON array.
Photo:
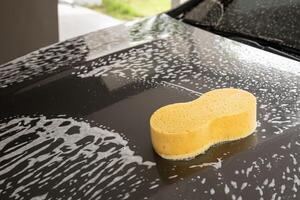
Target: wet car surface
[{"x": 75, "y": 117}]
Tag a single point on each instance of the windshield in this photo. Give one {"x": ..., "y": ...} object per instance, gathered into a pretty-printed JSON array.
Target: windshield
[{"x": 275, "y": 21}]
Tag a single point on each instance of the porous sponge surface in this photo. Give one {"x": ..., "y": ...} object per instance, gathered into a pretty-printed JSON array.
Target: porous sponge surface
[{"x": 184, "y": 130}]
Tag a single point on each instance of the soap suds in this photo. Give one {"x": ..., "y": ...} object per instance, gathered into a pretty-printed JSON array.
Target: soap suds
[
  {"x": 55, "y": 156},
  {"x": 216, "y": 165}
]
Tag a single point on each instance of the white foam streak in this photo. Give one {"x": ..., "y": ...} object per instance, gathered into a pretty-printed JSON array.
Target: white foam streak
[{"x": 97, "y": 155}]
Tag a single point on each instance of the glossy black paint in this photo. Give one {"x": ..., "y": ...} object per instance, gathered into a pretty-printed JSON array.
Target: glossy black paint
[{"x": 117, "y": 78}]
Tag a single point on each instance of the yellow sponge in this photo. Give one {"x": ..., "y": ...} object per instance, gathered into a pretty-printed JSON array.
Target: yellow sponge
[{"x": 184, "y": 130}]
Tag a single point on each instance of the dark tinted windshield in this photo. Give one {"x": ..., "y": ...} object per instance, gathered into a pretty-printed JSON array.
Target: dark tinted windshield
[{"x": 275, "y": 21}]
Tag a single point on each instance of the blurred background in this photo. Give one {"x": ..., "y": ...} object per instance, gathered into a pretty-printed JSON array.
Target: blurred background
[
  {"x": 77, "y": 17},
  {"x": 28, "y": 25}
]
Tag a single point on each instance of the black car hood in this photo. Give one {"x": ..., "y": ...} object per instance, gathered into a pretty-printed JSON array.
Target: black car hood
[{"x": 75, "y": 117}]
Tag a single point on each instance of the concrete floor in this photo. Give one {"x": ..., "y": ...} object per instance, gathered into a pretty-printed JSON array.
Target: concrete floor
[{"x": 77, "y": 20}]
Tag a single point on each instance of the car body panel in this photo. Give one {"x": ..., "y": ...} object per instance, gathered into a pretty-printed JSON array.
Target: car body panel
[{"x": 75, "y": 117}]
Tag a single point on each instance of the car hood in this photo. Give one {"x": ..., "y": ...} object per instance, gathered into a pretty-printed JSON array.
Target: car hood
[{"x": 75, "y": 116}]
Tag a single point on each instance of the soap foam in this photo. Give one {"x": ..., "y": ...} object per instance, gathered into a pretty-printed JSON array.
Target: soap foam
[{"x": 70, "y": 156}]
